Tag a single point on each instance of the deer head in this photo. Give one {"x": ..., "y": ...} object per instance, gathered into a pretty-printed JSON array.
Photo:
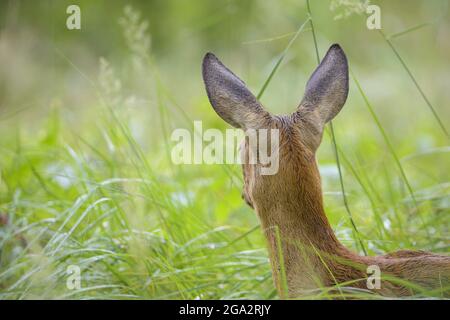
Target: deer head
[{"x": 300, "y": 132}]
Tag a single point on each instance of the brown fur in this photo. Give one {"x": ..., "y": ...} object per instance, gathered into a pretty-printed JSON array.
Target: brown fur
[{"x": 291, "y": 200}]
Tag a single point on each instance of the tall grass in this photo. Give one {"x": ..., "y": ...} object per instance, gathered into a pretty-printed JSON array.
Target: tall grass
[
  {"x": 333, "y": 138},
  {"x": 97, "y": 197}
]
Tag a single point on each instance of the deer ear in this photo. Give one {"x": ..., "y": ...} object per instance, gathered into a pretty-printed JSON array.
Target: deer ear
[
  {"x": 229, "y": 96},
  {"x": 327, "y": 89}
]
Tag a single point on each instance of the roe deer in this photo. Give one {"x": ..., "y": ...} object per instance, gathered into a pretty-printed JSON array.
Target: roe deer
[{"x": 290, "y": 201}]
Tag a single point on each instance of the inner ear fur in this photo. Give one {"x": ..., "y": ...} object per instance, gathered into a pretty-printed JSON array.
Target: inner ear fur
[
  {"x": 229, "y": 96},
  {"x": 327, "y": 88}
]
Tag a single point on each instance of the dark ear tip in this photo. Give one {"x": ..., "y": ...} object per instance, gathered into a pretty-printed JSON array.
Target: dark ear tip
[
  {"x": 336, "y": 46},
  {"x": 209, "y": 57},
  {"x": 208, "y": 60},
  {"x": 336, "y": 49}
]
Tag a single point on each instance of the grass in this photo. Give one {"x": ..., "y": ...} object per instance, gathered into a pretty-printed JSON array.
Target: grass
[{"x": 97, "y": 196}]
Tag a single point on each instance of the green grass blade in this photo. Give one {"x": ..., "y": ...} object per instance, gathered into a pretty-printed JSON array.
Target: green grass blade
[
  {"x": 280, "y": 59},
  {"x": 390, "y": 146},
  {"x": 401, "y": 33},
  {"x": 416, "y": 84},
  {"x": 341, "y": 180}
]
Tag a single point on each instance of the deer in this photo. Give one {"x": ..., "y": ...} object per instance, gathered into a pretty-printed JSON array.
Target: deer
[{"x": 304, "y": 252}]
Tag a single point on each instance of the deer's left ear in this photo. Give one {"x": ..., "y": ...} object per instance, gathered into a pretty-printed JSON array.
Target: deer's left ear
[
  {"x": 230, "y": 97},
  {"x": 327, "y": 89}
]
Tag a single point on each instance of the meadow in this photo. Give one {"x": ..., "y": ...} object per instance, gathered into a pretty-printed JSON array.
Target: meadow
[{"x": 86, "y": 116}]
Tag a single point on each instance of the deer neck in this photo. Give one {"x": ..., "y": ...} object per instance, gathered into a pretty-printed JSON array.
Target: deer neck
[{"x": 300, "y": 238}]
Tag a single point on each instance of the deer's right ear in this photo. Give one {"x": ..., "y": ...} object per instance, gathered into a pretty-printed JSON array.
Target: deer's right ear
[{"x": 229, "y": 96}]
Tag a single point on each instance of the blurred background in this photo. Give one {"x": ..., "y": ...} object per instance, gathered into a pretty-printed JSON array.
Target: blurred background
[{"x": 86, "y": 117}]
